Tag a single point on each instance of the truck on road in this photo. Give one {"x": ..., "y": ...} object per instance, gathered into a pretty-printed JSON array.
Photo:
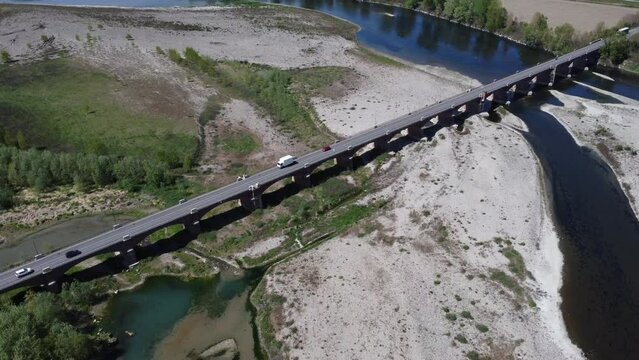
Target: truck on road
[{"x": 285, "y": 161}]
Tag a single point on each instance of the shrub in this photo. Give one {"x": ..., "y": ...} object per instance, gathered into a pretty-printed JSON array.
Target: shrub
[
  {"x": 6, "y": 199},
  {"x": 175, "y": 56},
  {"x": 482, "y": 328},
  {"x": 4, "y": 55}
]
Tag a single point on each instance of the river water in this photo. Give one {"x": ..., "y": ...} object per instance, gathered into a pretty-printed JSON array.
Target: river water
[{"x": 599, "y": 233}]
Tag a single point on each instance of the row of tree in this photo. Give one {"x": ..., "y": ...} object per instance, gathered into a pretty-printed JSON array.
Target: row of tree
[
  {"x": 50, "y": 326},
  {"x": 492, "y": 16},
  {"x": 42, "y": 170}
]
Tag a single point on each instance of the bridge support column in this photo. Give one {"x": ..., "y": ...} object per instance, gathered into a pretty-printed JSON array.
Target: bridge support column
[
  {"x": 473, "y": 108},
  {"x": 502, "y": 96},
  {"x": 562, "y": 71},
  {"x": 54, "y": 286},
  {"x": 415, "y": 132},
  {"x": 445, "y": 117},
  {"x": 545, "y": 78},
  {"x": 524, "y": 87},
  {"x": 578, "y": 65},
  {"x": 592, "y": 59},
  {"x": 302, "y": 180},
  {"x": 192, "y": 225},
  {"x": 345, "y": 161},
  {"x": 129, "y": 257},
  {"x": 251, "y": 200},
  {"x": 381, "y": 144}
]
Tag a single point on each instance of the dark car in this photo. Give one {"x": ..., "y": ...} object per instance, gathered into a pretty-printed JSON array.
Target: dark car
[
  {"x": 72, "y": 253},
  {"x": 326, "y": 148}
]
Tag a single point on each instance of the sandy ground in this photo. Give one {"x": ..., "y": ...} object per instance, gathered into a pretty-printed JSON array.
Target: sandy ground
[
  {"x": 361, "y": 298},
  {"x": 583, "y": 16},
  {"x": 610, "y": 129},
  {"x": 373, "y": 296}
]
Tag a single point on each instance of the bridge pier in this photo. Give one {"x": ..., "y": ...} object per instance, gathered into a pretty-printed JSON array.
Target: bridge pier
[
  {"x": 502, "y": 96},
  {"x": 578, "y": 65},
  {"x": 251, "y": 200},
  {"x": 445, "y": 117},
  {"x": 524, "y": 87},
  {"x": 345, "y": 161},
  {"x": 545, "y": 78},
  {"x": 415, "y": 132},
  {"x": 592, "y": 59},
  {"x": 54, "y": 286},
  {"x": 473, "y": 108},
  {"x": 129, "y": 257},
  {"x": 381, "y": 144},
  {"x": 562, "y": 71},
  {"x": 192, "y": 225},
  {"x": 303, "y": 179}
]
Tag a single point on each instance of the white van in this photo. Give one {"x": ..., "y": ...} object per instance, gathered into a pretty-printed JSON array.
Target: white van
[{"x": 285, "y": 161}]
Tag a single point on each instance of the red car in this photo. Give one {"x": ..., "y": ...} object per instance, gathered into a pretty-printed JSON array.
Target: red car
[{"x": 326, "y": 148}]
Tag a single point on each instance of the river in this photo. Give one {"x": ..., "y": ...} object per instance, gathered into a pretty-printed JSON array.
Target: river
[{"x": 598, "y": 230}]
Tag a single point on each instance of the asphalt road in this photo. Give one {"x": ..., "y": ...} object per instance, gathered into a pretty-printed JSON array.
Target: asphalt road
[{"x": 94, "y": 245}]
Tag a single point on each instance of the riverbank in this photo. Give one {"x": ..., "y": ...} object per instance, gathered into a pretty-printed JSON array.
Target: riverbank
[
  {"x": 444, "y": 268},
  {"x": 610, "y": 129}
]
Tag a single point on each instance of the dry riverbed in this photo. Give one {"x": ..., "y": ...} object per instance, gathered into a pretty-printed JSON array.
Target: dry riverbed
[{"x": 462, "y": 259}]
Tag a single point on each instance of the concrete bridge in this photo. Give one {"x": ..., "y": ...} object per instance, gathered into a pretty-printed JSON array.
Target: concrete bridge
[{"x": 50, "y": 269}]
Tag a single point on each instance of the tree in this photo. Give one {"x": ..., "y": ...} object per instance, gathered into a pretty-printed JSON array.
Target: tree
[
  {"x": 563, "y": 39},
  {"x": 6, "y": 198},
  {"x": 536, "y": 32},
  {"x": 495, "y": 15},
  {"x": 617, "y": 49},
  {"x": 21, "y": 140}
]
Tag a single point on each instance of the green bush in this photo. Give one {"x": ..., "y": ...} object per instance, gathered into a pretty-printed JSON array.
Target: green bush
[
  {"x": 4, "y": 55},
  {"x": 6, "y": 199}
]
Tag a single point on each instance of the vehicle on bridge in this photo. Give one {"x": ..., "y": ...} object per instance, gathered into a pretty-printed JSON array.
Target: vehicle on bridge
[
  {"x": 285, "y": 161},
  {"x": 23, "y": 272},
  {"x": 72, "y": 253}
]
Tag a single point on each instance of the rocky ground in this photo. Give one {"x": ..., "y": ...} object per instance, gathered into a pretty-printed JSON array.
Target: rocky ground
[{"x": 463, "y": 260}]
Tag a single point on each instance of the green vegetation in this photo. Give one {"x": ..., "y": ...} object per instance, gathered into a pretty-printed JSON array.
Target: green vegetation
[
  {"x": 50, "y": 326},
  {"x": 617, "y": 49},
  {"x": 267, "y": 87},
  {"x": 466, "y": 315},
  {"x": 374, "y": 57},
  {"x": 239, "y": 143},
  {"x": 451, "y": 316},
  {"x": 461, "y": 338},
  {"x": 268, "y": 307},
  {"x": 516, "y": 265},
  {"x": 5, "y": 57},
  {"x": 42, "y": 170},
  {"x": 63, "y": 106},
  {"x": 507, "y": 281}
]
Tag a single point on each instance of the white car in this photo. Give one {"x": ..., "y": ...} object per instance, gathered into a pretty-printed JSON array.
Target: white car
[{"x": 23, "y": 272}]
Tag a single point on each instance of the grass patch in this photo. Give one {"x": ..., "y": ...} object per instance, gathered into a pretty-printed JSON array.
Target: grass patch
[
  {"x": 63, "y": 106},
  {"x": 239, "y": 143},
  {"x": 376, "y": 58},
  {"x": 318, "y": 80},
  {"x": 507, "y": 281},
  {"x": 267, "y": 307},
  {"x": 516, "y": 265},
  {"x": 269, "y": 88}
]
